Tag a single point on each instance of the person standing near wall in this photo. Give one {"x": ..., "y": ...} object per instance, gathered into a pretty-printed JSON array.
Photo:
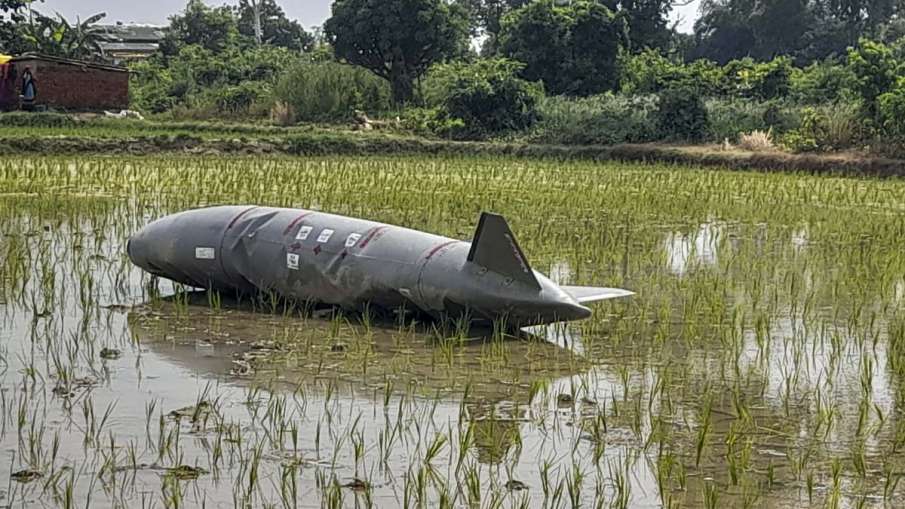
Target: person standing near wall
[{"x": 29, "y": 90}]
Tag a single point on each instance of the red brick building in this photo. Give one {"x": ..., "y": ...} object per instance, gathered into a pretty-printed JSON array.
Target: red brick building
[{"x": 65, "y": 85}]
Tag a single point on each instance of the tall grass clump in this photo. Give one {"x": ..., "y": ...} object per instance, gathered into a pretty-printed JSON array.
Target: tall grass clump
[
  {"x": 601, "y": 119},
  {"x": 330, "y": 91}
]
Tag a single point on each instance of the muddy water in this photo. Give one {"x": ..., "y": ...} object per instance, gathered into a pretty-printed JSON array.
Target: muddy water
[{"x": 747, "y": 372}]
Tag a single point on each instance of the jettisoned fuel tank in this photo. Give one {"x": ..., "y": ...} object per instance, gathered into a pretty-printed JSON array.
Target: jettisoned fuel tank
[{"x": 318, "y": 257}]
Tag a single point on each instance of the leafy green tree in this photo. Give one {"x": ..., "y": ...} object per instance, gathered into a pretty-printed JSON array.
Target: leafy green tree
[
  {"x": 211, "y": 28},
  {"x": 486, "y": 95},
  {"x": 647, "y": 20},
  {"x": 397, "y": 40},
  {"x": 572, "y": 49},
  {"x": 276, "y": 28},
  {"x": 485, "y": 18},
  {"x": 875, "y": 71}
]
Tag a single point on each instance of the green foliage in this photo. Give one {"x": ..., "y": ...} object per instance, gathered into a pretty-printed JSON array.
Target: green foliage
[
  {"x": 397, "y": 40},
  {"x": 875, "y": 70},
  {"x": 604, "y": 119},
  {"x": 486, "y": 95},
  {"x": 681, "y": 114},
  {"x": 730, "y": 117},
  {"x": 759, "y": 80},
  {"x": 57, "y": 37},
  {"x": 891, "y": 112},
  {"x": 331, "y": 91},
  {"x": 822, "y": 82},
  {"x": 434, "y": 122},
  {"x": 196, "y": 77},
  {"x": 572, "y": 49},
  {"x": 825, "y": 128},
  {"x": 649, "y": 72},
  {"x": 213, "y": 29},
  {"x": 277, "y": 30}
]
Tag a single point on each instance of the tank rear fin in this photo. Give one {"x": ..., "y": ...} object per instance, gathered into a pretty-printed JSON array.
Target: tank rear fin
[{"x": 495, "y": 248}]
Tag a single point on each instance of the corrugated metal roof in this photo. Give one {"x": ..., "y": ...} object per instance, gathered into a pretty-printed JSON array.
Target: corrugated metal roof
[
  {"x": 132, "y": 33},
  {"x": 67, "y": 61}
]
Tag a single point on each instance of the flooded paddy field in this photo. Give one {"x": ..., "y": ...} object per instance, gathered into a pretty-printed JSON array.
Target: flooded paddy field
[{"x": 761, "y": 363}]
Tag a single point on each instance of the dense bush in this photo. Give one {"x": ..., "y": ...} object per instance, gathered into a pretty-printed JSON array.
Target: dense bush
[
  {"x": 875, "y": 70},
  {"x": 891, "y": 115},
  {"x": 487, "y": 95},
  {"x": 602, "y": 119},
  {"x": 822, "y": 82},
  {"x": 330, "y": 91},
  {"x": 728, "y": 118},
  {"x": 196, "y": 78},
  {"x": 649, "y": 72},
  {"x": 681, "y": 114}
]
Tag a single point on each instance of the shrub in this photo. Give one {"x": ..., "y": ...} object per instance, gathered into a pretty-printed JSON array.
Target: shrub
[
  {"x": 831, "y": 128},
  {"x": 730, "y": 117},
  {"x": 891, "y": 115},
  {"x": 602, "y": 119},
  {"x": 760, "y": 80},
  {"x": 822, "y": 82},
  {"x": 330, "y": 91},
  {"x": 649, "y": 72},
  {"x": 681, "y": 114},
  {"x": 487, "y": 95}
]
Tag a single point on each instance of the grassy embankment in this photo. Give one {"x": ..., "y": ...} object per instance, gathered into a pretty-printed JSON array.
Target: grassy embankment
[{"x": 52, "y": 134}]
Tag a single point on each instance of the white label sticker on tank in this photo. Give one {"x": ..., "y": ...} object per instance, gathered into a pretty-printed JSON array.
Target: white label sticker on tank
[
  {"x": 292, "y": 261},
  {"x": 204, "y": 253},
  {"x": 303, "y": 233},
  {"x": 324, "y": 236},
  {"x": 352, "y": 239}
]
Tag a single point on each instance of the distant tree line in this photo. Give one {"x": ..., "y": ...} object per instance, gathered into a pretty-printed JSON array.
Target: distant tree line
[{"x": 550, "y": 70}]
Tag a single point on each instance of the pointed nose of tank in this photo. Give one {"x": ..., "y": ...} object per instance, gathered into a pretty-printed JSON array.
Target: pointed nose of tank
[{"x": 556, "y": 305}]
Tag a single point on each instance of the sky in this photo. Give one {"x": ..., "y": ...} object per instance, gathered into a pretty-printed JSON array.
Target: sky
[{"x": 309, "y": 12}]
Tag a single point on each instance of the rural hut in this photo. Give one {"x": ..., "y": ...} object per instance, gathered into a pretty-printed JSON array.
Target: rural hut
[{"x": 64, "y": 84}]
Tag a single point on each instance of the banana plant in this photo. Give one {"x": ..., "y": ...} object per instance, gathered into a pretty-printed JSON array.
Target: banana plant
[{"x": 56, "y": 36}]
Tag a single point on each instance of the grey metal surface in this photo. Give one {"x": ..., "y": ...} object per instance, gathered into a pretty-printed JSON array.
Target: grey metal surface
[{"x": 318, "y": 257}]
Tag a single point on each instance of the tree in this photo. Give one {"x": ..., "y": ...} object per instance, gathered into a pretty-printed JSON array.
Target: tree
[
  {"x": 55, "y": 36},
  {"x": 485, "y": 18},
  {"x": 647, "y": 21},
  {"x": 275, "y": 28},
  {"x": 211, "y": 28},
  {"x": 397, "y": 40},
  {"x": 573, "y": 50}
]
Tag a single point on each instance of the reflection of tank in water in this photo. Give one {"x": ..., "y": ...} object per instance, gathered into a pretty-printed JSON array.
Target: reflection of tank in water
[
  {"x": 318, "y": 257},
  {"x": 500, "y": 373}
]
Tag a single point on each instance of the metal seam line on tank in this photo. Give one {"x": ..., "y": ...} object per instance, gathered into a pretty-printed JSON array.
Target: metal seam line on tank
[
  {"x": 438, "y": 247},
  {"x": 370, "y": 236},
  {"x": 239, "y": 216},
  {"x": 295, "y": 221},
  {"x": 221, "y": 259}
]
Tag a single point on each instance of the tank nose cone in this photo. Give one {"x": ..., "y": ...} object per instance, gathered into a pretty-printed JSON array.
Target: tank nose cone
[{"x": 569, "y": 311}]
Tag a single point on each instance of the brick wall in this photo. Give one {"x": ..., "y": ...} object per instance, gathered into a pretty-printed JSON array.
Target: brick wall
[{"x": 76, "y": 87}]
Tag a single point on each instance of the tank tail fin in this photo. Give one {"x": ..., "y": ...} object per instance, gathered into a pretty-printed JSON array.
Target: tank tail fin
[
  {"x": 585, "y": 294},
  {"x": 495, "y": 248}
]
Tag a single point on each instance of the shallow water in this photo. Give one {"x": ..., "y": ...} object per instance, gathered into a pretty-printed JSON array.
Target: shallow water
[{"x": 760, "y": 364}]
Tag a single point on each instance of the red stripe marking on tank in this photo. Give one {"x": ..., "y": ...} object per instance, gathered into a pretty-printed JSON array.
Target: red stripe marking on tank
[
  {"x": 295, "y": 221},
  {"x": 370, "y": 236},
  {"x": 239, "y": 216},
  {"x": 439, "y": 247}
]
